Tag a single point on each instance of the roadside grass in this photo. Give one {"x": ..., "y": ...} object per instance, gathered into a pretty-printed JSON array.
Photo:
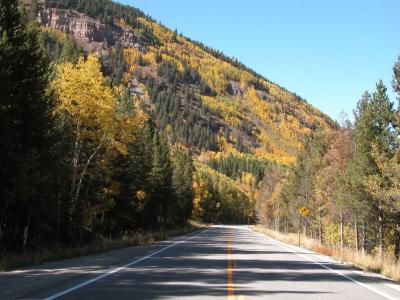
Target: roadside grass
[
  {"x": 386, "y": 266},
  {"x": 12, "y": 261}
]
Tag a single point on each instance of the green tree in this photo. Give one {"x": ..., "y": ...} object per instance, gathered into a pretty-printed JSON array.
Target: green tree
[
  {"x": 162, "y": 196},
  {"x": 396, "y": 77},
  {"x": 34, "y": 10},
  {"x": 26, "y": 127},
  {"x": 182, "y": 181},
  {"x": 372, "y": 128},
  {"x": 132, "y": 177}
]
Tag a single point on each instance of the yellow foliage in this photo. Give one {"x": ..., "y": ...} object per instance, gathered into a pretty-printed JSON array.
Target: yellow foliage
[
  {"x": 150, "y": 58},
  {"x": 230, "y": 111},
  {"x": 224, "y": 145},
  {"x": 259, "y": 107},
  {"x": 276, "y": 119},
  {"x": 206, "y": 179},
  {"x": 248, "y": 179},
  {"x": 61, "y": 36},
  {"x": 83, "y": 93},
  {"x": 141, "y": 195}
]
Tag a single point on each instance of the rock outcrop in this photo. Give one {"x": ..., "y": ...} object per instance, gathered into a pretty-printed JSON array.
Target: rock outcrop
[{"x": 92, "y": 33}]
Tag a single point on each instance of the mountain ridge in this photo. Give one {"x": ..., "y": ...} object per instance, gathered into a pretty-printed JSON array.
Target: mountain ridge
[{"x": 262, "y": 118}]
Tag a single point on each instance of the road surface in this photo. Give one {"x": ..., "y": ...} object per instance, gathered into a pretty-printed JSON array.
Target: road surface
[{"x": 221, "y": 262}]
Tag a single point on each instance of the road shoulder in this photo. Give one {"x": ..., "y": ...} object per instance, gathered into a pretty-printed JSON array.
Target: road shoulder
[{"x": 20, "y": 283}]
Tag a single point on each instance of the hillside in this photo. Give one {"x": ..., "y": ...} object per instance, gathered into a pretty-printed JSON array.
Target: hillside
[
  {"x": 195, "y": 92},
  {"x": 115, "y": 130},
  {"x": 136, "y": 127},
  {"x": 231, "y": 118}
]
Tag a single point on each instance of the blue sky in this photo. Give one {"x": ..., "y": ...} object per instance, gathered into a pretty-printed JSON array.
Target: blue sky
[{"x": 328, "y": 52}]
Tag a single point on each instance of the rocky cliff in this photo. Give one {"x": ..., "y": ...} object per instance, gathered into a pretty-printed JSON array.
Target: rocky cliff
[{"x": 90, "y": 32}]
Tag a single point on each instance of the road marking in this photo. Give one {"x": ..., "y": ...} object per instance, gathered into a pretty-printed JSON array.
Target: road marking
[
  {"x": 115, "y": 270},
  {"x": 393, "y": 286},
  {"x": 230, "y": 286},
  {"x": 372, "y": 289}
]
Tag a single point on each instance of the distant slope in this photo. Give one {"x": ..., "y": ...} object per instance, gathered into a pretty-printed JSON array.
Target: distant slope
[{"x": 198, "y": 96}]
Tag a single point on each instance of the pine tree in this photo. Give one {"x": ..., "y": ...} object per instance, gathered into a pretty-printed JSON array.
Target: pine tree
[
  {"x": 372, "y": 129},
  {"x": 175, "y": 36},
  {"x": 34, "y": 10},
  {"x": 182, "y": 180},
  {"x": 396, "y": 77},
  {"x": 396, "y": 88},
  {"x": 118, "y": 64},
  {"x": 157, "y": 210},
  {"x": 382, "y": 115},
  {"x": 132, "y": 173},
  {"x": 26, "y": 126}
]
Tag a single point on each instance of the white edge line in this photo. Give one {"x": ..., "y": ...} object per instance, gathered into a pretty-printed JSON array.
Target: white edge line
[
  {"x": 115, "y": 270},
  {"x": 280, "y": 244}
]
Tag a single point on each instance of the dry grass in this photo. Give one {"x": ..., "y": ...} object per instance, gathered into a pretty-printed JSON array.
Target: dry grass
[
  {"x": 10, "y": 261},
  {"x": 386, "y": 266}
]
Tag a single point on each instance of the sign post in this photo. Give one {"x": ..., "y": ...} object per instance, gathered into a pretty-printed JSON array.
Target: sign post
[{"x": 303, "y": 212}]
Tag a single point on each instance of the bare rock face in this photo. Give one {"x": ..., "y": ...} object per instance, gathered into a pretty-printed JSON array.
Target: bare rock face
[
  {"x": 92, "y": 33},
  {"x": 235, "y": 88}
]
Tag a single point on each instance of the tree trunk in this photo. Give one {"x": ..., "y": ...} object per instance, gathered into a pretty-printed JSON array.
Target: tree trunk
[
  {"x": 299, "y": 229},
  {"x": 16, "y": 232},
  {"x": 58, "y": 211},
  {"x": 364, "y": 238},
  {"x": 397, "y": 240},
  {"x": 86, "y": 206},
  {"x": 341, "y": 231},
  {"x": 381, "y": 230},
  {"x": 83, "y": 173},
  {"x": 285, "y": 226},
  {"x": 320, "y": 229},
  {"x": 2, "y": 225},
  {"x": 26, "y": 229},
  {"x": 397, "y": 236},
  {"x": 276, "y": 221},
  {"x": 75, "y": 160},
  {"x": 356, "y": 232}
]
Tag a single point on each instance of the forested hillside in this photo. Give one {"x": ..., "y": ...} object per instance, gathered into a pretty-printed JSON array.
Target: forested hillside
[
  {"x": 112, "y": 123},
  {"x": 348, "y": 180},
  {"x": 121, "y": 124}
]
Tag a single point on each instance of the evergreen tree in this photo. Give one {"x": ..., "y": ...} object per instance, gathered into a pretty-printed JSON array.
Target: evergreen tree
[
  {"x": 396, "y": 88},
  {"x": 132, "y": 175},
  {"x": 183, "y": 186},
  {"x": 396, "y": 77},
  {"x": 34, "y": 10},
  {"x": 158, "y": 209},
  {"x": 372, "y": 128},
  {"x": 118, "y": 64},
  {"x": 175, "y": 35},
  {"x": 26, "y": 126}
]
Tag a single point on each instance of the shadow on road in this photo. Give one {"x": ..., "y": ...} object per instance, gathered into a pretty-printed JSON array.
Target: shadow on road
[{"x": 198, "y": 267}]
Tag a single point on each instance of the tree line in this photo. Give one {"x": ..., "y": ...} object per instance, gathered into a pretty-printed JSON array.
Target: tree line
[
  {"x": 348, "y": 178},
  {"x": 79, "y": 157}
]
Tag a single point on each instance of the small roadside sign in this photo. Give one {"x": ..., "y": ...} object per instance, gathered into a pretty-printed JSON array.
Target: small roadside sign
[{"x": 304, "y": 211}]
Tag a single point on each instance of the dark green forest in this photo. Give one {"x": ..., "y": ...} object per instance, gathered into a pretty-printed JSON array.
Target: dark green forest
[{"x": 145, "y": 186}]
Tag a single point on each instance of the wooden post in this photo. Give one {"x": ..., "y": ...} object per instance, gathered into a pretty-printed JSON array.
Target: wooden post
[{"x": 299, "y": 228}]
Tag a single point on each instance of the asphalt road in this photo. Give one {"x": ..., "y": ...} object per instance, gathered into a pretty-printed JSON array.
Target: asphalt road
[{"x": 222, "y": 262}]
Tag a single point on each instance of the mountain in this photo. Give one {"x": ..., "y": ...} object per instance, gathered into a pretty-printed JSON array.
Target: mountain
[
  {"x": 237, "y": 124},
  {"x": 114, "y": 126},
  {"x": 146, "y": 128},
  {"x": 196, "y": 93}
]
